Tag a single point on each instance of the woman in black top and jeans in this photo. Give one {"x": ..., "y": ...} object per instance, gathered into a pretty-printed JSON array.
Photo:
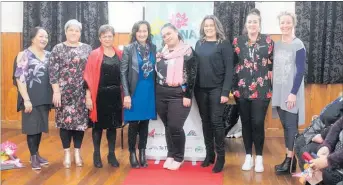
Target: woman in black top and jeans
[{"x": 214, "y": 79}]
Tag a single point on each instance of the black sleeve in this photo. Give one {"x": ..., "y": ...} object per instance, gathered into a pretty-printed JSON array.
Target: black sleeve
[
  {"x": 124, "y": 70},
  {"x": 333, "y": 135},
  {"x": 14, "y": 69},
  {"x": 191, "y": 71},
  {"x": 227, "y": 54}
]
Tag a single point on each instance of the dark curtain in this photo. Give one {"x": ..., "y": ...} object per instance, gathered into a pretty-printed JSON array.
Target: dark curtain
[
  {"x": 232, "y": 15},
  {"x": 53, "y": 15},
  {"x": 320, "y": 27}
]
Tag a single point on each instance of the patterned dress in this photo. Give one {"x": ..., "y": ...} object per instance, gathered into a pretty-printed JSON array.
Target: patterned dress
[
  {"x": 67, "y": 65},
  {"x": 253, "y": 61}
]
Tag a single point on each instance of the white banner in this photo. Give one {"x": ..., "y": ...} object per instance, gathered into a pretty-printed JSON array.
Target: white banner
[{"x": 187, "y": 19}]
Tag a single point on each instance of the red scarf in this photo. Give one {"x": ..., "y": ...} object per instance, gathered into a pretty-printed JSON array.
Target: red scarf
[{"x": 92, "y": 75}]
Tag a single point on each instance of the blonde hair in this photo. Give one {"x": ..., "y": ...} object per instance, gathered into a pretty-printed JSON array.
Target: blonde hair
[{"x": 292, "y": 15}]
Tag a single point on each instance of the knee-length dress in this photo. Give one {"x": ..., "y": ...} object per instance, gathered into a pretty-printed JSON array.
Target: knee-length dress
[
  {"x": 109, "y": 101},
  {"x": 34, "y": 73},
  {"x": 143, "y": 99},
  {"x": 67, "y": 65}
]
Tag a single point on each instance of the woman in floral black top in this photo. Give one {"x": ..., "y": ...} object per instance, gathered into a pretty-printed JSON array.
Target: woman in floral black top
[{"x": 252, "y": 86}]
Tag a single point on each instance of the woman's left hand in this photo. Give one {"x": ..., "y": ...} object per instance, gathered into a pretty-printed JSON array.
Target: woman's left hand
[
  {"x": 319, "y": 163},
  {"x": 224, "y": 99},
  {"x": 186, "y": 102},
  {"x": 291, "y": 101}
]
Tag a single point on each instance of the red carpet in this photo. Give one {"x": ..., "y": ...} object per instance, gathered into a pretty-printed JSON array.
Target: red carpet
[{"x": 186, "y": 175}]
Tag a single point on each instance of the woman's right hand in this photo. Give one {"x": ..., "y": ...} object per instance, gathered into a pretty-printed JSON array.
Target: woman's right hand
[
  {"x": 318, "y": 139},
  {"x": 127, "y": 102},
  {"x": 89, "y": 104},
  {"x": 28, "y": 106},
  {"x": 56, "y": 99}
]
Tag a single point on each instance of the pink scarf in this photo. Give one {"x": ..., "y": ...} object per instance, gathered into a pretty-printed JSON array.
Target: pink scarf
[{"x": 175, "y": 60}]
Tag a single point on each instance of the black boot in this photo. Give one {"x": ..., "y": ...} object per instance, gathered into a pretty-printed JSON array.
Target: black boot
[
  {"x": 209, "y": 140},
  {"x": 219, "y": 165},
  {"x": 286, "y": 168},
  {"x": 219, "y": 137},
  {"x": 41, "y": 160},
  {"x": 133, "y": 160},
  {"x": 35, "y": 163},
  {"x": 97, "y": 160},
  {"x": 279, "y": 165},
  {"x": 209, "y": 159},
  {"x": 112, "y": 160},
  {"x": 142, "y": 158}
]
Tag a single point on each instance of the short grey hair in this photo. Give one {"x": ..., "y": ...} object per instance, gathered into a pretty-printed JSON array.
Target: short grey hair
[
  {"x": 105, "y": 28},
  {"x": 72, "y": 22},
  {"x": 292, "y": 15}
]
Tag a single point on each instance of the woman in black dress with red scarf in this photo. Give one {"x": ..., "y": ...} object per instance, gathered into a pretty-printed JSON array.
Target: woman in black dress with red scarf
[
  {"x": 252, "y": 86},
  {"x": 103, "y": 94}
]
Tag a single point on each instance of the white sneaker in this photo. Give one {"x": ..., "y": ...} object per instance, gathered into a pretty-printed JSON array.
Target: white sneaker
[
  {"x": 248, "y": 163},
  {"x": 259, "y": 164},
  {"x": 168, "y": 162},
  {"x": 175, "y": 165}
]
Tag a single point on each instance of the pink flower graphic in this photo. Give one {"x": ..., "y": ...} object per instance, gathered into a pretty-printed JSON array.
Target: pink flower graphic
[{"x": 179, "y": 20}]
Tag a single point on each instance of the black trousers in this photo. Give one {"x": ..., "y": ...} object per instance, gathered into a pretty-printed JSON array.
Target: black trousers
[
  {"x": 138, "y": 128},
  {"x": 211, "y": 113},
  {"x": 253, "y": 113},
  {"x": 111, "y": 135},
  {"x": 169, "y": 104},
  {"x": 33, "y": 142},
  {"x": 67, "y": 135}
]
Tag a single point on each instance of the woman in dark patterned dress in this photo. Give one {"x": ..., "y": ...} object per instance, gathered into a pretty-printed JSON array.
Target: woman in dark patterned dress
[
  {"x": 252, "y": 87},
  {"x": 103, "y": 95},
  {"x": 67, "y": 64},
  {"x": 35, "y": 93}
]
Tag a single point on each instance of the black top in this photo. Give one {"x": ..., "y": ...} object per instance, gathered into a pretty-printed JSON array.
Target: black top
[
  {"x": 110, "y": 72},
  {"x": 34, "y": 72},
  {"x": 189, "y": 70},
  {"x": 215, "y": 65}
]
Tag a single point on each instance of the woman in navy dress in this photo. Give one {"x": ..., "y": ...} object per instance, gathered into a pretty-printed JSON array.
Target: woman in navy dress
[{"x": 137, "y": 77}]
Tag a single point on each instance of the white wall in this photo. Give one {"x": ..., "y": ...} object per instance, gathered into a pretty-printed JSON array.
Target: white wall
[
  {"x": 11, "y": 16},
  {"x": 269, "y": 12},
  {"x": 122, "y": 15}
]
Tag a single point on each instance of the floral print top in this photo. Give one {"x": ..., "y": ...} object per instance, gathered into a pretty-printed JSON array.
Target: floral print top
[
  {"x": 253, "y": 61},
  {"x": 34, "y": 73}
]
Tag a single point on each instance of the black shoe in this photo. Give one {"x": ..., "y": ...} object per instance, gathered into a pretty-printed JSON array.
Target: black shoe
[
  {"x": 219, "y": 165},
  {"x": 133, "y": 160},
  {"x": 279, "y": 165},
  {"x": 97, "y": 160},
  {"x": 112, "y": 160},
  {"x": 142, "y": 158},
  {"x": 209, "y": 159},
  {"x": 286, "y": 168},
  {"x": 35, "y": 163},
  {"x": 41, "y": 160}
]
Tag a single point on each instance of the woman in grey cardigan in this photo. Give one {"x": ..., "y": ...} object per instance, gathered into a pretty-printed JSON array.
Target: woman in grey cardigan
[{"x": 288, "y": 86}]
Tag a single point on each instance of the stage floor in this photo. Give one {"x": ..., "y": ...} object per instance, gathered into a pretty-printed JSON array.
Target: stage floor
[{"x": 56, "y": 174}]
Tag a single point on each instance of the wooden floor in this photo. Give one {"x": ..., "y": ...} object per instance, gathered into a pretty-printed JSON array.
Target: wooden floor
[{"x": 55, "y": 174}]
